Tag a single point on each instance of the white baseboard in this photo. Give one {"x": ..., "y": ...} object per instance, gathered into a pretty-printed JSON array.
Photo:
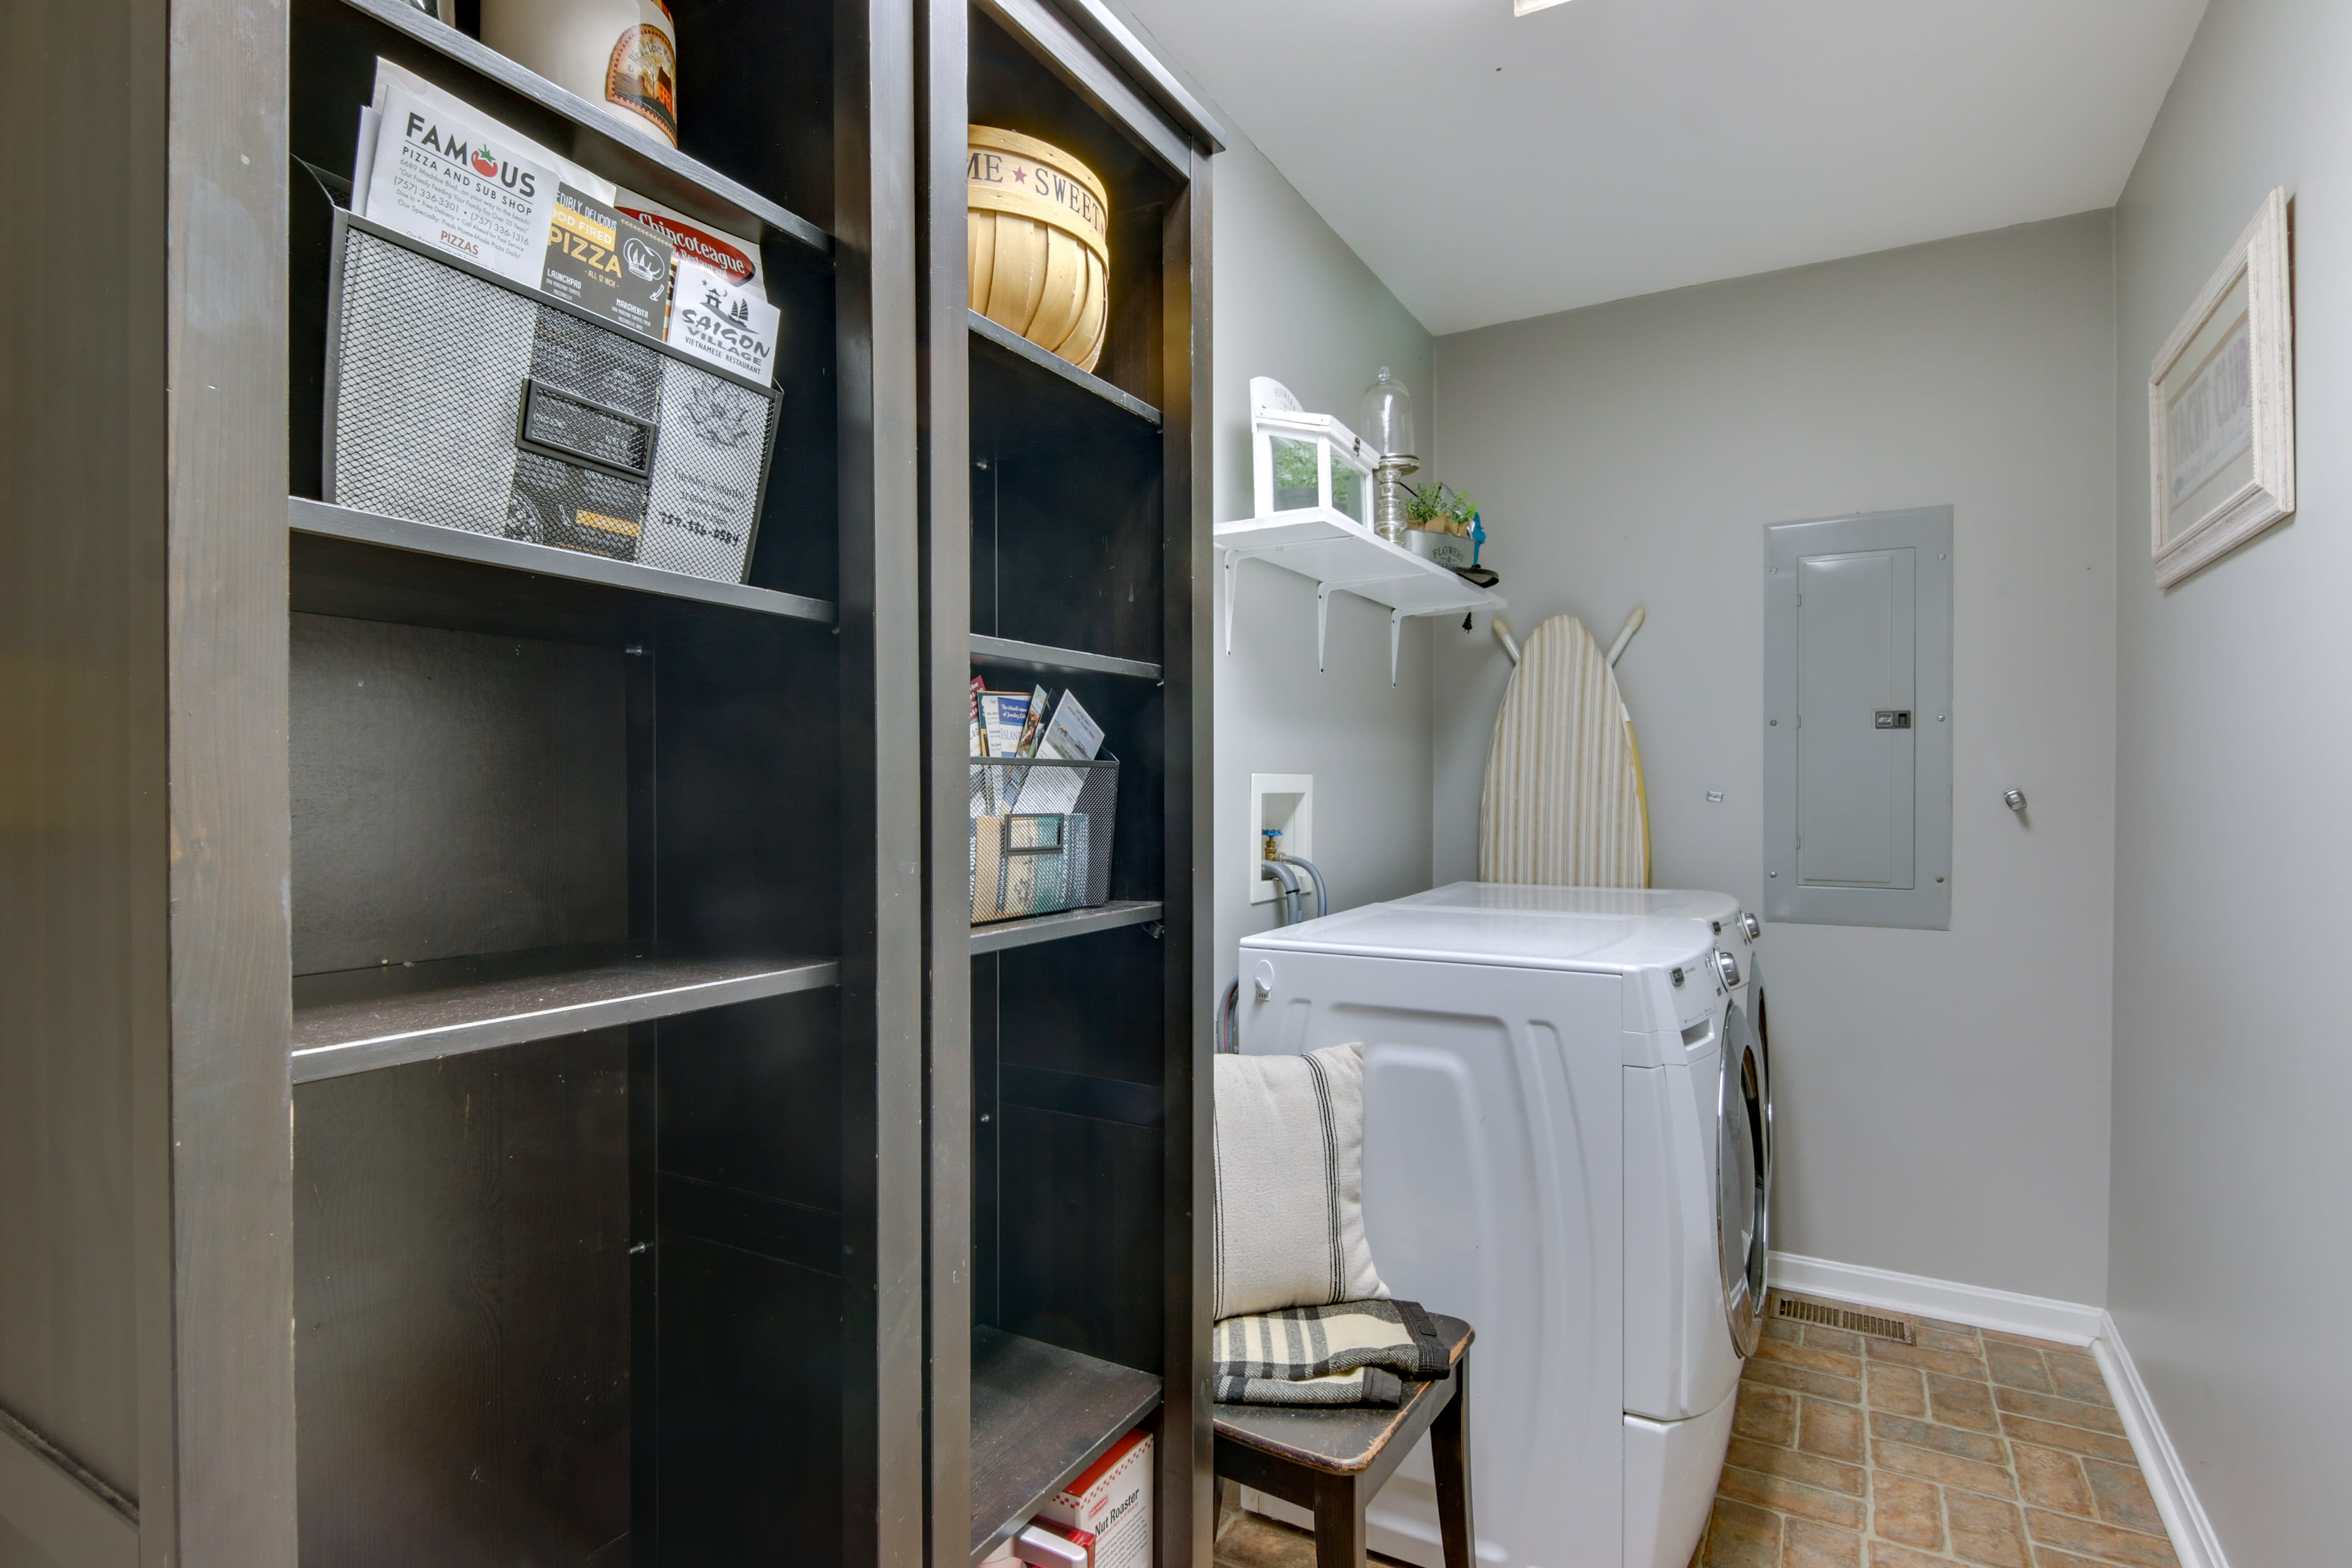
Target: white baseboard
[
  {"x": 1979, "y": 1307},
  {"x": 2041, "y": 1317},
  {"x": 2193, "y": 1539}
]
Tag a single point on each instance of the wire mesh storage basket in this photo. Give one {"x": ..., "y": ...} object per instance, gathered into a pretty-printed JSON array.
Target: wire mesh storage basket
[
  {"x": 456, "y": 398},
  {"x": 1041, "y": 836}
]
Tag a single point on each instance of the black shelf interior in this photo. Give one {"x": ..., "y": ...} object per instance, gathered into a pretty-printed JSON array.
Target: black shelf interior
[
  {"x": 365, "y": 1020},
  {"x": 512, "y": 787},
  {"x": 1040, "y": 1415},
  {"x": 1013, "y": 89},
  {"x": 1010, "y": 653},
  {"x": 1051, "y": 386},
  {"x": 754, "y": 153},
  {"x": 380, "y": 539},
  {"x": 351, "y": 575},
  {"x": 773, "y": 135},
  {"x": 1067, "y": 1108},
  {"x": 541, "y": 763},
  {"x": 576, "y": 1297},
  {"x": 423, "y": 1194},
  {"x": 1066, "y": 536},
  {"x": 1070, "y": 1054},
  {"x": 1066, "y": 492},
  {"x": 998, "y": 936},
  {"x": 509, "y": 780}
]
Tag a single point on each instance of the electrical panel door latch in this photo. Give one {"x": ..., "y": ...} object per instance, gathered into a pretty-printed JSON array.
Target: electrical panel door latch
[{"x": 1894, "y": 718}]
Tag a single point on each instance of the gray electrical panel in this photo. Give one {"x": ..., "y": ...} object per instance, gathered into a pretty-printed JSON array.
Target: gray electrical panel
[{"x": 1858, "y": 720}]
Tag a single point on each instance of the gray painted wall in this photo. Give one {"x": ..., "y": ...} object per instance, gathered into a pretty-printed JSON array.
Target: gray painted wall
[
  {"x": 1295, "y": 303},
  {"x": 1943, "y": 1096},
  {"x": 2231, "y": 1182}
]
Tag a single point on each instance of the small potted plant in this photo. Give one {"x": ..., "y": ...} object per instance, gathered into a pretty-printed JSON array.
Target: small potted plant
[
  {"x": 1438, "y": 523},
  {"x": 1460, "y": 512},
  {"x": 1294, "y": 481}
]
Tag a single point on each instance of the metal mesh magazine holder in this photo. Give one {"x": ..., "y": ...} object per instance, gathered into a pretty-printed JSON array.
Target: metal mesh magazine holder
[
  {"x": 458, "y": 398},
  {"x": 1041, "y": 835}
]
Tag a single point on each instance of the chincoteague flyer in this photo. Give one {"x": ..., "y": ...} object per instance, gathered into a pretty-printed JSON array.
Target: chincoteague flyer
[
  {"x": 695, "y": 240},
  {"x": 460, "y": 183}
]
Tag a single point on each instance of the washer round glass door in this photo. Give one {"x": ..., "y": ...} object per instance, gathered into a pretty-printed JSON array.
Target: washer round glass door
[{"x": 1743, "y": 1168}]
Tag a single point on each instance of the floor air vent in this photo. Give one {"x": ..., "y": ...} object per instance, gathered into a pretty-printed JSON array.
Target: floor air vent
[{"x": 1865, "y": 1323}]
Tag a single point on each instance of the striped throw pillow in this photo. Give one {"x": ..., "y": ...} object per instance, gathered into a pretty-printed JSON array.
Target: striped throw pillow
[{"x": 1291, "y": 1182}]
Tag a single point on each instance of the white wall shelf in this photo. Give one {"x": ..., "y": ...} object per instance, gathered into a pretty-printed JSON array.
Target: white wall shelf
[{"x": 1342, "y": 554}]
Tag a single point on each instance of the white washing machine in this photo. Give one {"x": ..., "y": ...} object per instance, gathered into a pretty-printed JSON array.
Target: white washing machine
[
  {"x": 1736, "y": 932},
  {"x": 1554, "y": 1151}
]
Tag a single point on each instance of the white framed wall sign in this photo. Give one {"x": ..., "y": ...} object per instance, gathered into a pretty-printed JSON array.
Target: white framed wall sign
[{"x": 2221, "y": 407}]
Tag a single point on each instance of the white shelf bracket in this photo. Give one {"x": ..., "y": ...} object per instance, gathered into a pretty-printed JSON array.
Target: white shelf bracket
[
  {"x": 1396, "y": 627},
  {"x": 1322, "y": 618},
  {"x": 1232, "y": 562}
]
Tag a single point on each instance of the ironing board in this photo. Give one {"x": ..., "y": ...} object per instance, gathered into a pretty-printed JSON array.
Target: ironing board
[{"x": 1563, "y": 805}]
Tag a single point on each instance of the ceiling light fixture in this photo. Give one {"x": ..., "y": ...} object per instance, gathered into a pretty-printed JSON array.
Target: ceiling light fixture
[{"x": 1526, "y": 7}]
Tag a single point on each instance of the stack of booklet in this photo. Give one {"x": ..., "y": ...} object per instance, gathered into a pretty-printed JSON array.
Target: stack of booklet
[
  {"x": 1013, "y": 724},
  {"x": 432, "y": 167}
]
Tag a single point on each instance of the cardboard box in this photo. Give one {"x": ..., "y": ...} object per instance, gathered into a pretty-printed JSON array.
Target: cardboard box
[
  {"x": 1112, "y": 1501},
  {"x": 1043, "y": 1544}
]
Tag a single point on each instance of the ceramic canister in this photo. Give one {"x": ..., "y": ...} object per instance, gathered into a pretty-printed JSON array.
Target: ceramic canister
[{"x": 622, "y": 53}]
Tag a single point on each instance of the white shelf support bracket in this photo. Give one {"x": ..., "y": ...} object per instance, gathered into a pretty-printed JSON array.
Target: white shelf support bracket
[
  {"x": 1233, "y": 563},
  {"x": 1396, "y": 627},
  {"x": 1322, "y": 619}
]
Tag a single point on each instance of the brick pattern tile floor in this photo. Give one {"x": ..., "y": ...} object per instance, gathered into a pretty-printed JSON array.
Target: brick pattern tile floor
[
  {"x": 1969, "y": 1447},
  {"x": 1253, "y": 1541}
]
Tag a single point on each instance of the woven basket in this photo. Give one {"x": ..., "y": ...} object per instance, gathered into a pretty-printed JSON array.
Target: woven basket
[{"x": 1039, "y": 243}]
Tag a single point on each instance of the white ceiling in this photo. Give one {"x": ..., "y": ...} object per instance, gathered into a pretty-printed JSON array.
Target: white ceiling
[{"x": 1491, "y": 168}]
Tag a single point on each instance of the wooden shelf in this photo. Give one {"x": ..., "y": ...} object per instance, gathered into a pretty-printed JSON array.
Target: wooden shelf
[
  {"x": 1001, "y": 934},
  {"x": 519, "y": 555},
  {"x": 1040, "y": 1415},
  {"x": 1039, "y": 656},
  {"x": 613, "y": 149},
  {"x": 469, "y": 1013},
  {"x": 1343, "y": 555},
  {"x": 1020, "y": 351}
]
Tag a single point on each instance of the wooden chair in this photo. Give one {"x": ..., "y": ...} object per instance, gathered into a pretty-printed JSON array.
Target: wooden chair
[{"x": 1331, "y": 1461}]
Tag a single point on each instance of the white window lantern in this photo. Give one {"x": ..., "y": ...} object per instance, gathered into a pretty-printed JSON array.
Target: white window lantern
[{"x": 1303, "y": 460}]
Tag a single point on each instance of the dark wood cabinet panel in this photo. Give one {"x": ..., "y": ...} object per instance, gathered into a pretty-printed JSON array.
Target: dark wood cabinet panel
[
  {"x": 646, "y": 1212},
  {"x": 462, "y": 1302},
  {"x": 454, "y": 793},
  {"x": 1040, "y": 1415},
  {"x": 749, "y": 1096},
  {"x": 1067, "y": 1139},
  {"x": 1081, "y": 1234},
  {"x": 747, "y": 1451}
]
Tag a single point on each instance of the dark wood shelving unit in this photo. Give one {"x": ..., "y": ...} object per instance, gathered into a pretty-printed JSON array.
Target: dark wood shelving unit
[
  {"x": 1002, "y": 935},
  {"x": 1068, "y": 538},
  {"x": 512, "y": 1015},
  {"x": 455, "y": 1006},
  {"x": 1057, "y": 660},
  {"x": 319, "y": 518},
  {"x": 558, "y": 821},
  {"x": 1040, "y": 1415},
  {"x": 586, "y": 134},
  {"x": 1022, "y": 353}
]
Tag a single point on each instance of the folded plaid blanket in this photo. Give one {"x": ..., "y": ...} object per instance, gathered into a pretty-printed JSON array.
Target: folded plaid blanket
[{"x": 1351, "y": 1352}]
